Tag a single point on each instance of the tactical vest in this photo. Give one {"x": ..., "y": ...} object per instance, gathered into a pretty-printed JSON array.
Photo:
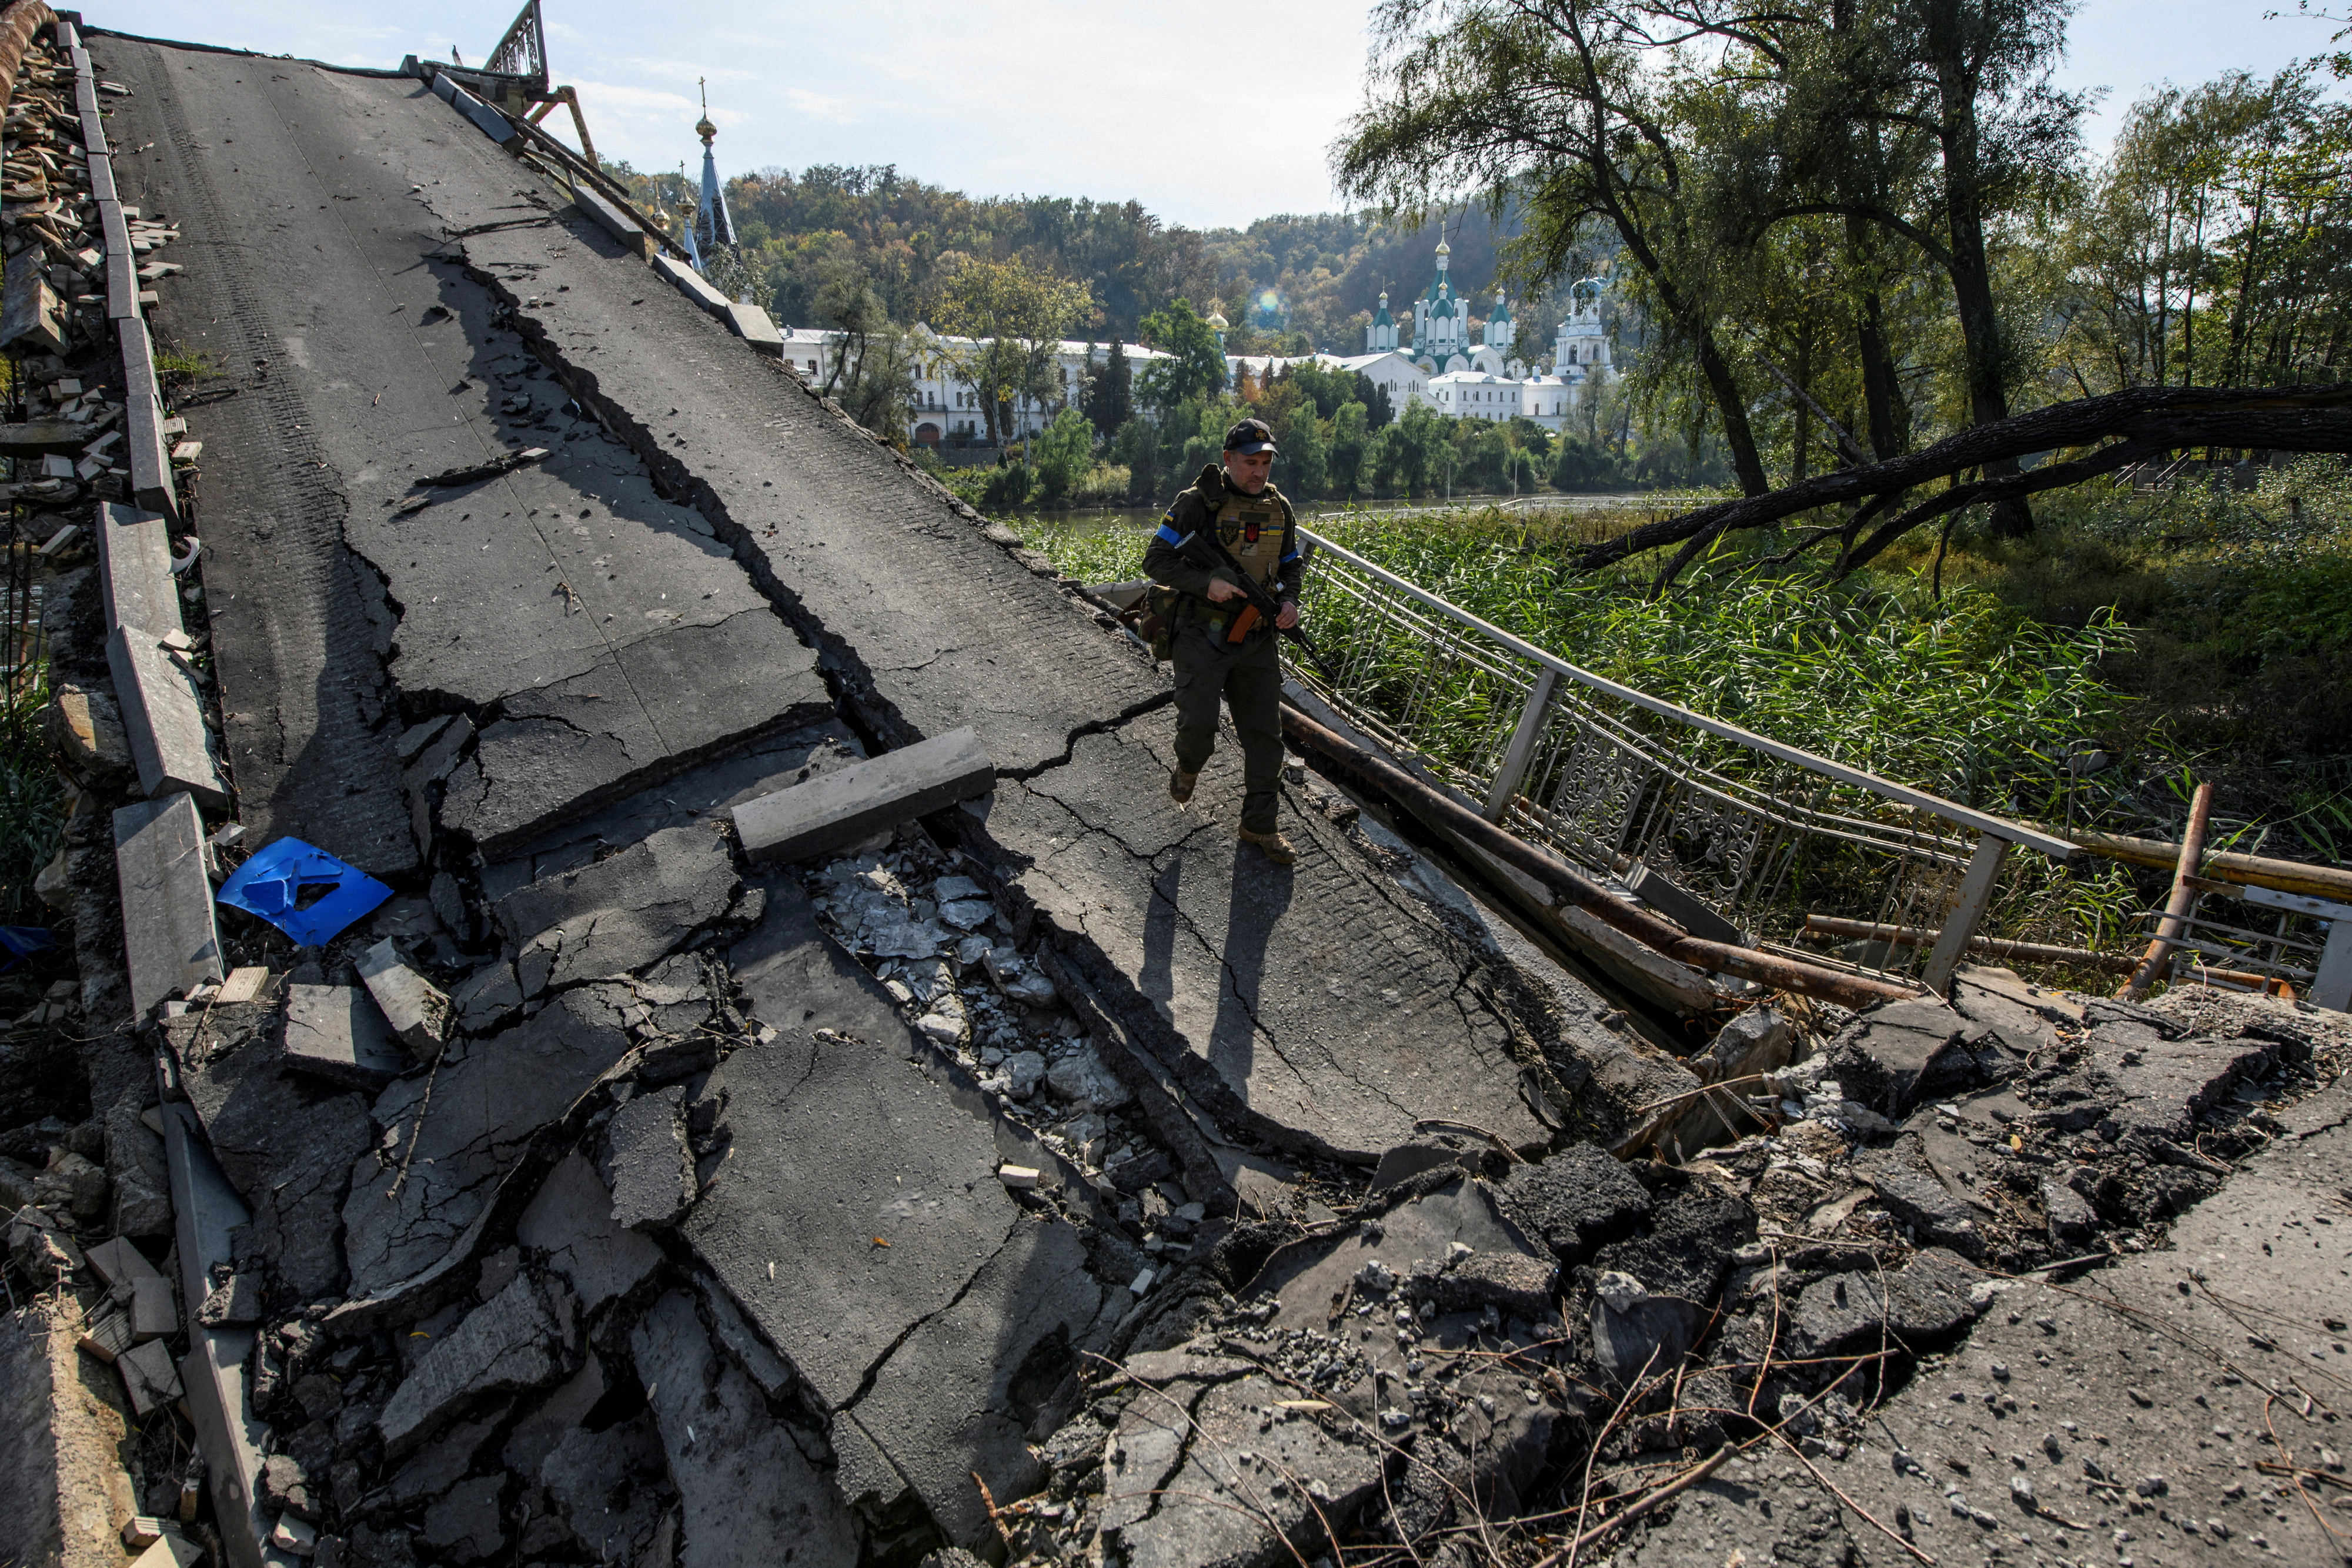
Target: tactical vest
[{"x": 1251, "y": 528}]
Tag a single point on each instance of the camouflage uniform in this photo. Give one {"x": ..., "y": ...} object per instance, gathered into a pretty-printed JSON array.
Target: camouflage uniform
[{"x": 1262, "y": 533}]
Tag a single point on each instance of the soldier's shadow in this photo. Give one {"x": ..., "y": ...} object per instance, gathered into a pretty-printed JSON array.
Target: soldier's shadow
[{"x": 1258, "y": 894}]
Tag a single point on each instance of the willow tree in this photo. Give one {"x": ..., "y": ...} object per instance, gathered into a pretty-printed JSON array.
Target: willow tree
[{"x": 1552, "y": 108}]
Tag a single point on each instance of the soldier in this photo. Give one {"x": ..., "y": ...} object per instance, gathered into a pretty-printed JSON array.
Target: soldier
[{"x": 1257, "y": 527}]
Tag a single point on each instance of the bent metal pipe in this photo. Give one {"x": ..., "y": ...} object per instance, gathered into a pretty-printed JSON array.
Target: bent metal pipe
[{"x": 1718, "y": 957}]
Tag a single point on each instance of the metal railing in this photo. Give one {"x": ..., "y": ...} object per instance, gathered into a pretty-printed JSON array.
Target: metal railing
[{"x": 1627, "y": 786}]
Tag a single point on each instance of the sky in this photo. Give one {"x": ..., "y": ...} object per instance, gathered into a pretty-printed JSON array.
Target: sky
[{"x": 1209, "y": 112}]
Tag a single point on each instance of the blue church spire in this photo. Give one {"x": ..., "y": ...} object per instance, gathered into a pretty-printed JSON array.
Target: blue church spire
[{"x": 713, "y": 226}]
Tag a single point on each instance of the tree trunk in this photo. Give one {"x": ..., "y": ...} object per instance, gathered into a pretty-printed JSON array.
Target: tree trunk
[{"x": 1888, "y": 411}]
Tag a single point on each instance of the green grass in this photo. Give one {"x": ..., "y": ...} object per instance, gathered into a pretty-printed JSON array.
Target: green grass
[
  {"x": 29, "y": 803},
  {"x": 2194, "y": 632}
]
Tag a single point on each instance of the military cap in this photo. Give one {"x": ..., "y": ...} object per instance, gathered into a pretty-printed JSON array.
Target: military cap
[{"x": 1250, "y": 435}]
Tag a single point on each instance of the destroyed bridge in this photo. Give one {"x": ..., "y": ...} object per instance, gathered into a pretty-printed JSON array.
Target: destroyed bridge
[{"x": 642, "y": 1000}]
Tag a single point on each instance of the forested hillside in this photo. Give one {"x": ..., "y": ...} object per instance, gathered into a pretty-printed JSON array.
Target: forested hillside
[{"x": 1293, "y": 284}]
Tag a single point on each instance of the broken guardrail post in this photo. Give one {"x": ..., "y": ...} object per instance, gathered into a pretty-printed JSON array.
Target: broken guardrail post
[
  {"x": 1522, "y": 747},
  {"x": 836, "y": 809},
  {"x": 1969, "y": 902}
]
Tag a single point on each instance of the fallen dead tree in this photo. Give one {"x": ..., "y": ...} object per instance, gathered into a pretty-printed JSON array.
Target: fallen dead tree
[
  {"x": 1717, "y": 958},
  {"x": 2136, "y": 425}
]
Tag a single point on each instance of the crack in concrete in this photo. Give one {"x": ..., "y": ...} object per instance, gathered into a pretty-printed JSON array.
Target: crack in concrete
[{"x": 1133, "y": 711}]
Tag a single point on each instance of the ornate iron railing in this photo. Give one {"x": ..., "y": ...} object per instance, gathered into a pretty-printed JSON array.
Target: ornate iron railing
[{"x": 1629, "y": 787}]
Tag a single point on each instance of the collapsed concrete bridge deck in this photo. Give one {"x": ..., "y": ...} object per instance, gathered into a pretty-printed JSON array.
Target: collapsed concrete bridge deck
[
  {"x": 530, "y": 696},
  {"x": 750, "y": 1213}
]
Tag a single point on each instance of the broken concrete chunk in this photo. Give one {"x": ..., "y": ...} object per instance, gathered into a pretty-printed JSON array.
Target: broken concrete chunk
[
  {"x": 492, "y": 1096},
  {"x": 571, "y": 1220},
  {"x": 170, "y": 1549},
  {"x": 234, "y": 1302},
  {"x": 169, "y": 936},
  {"x": 106, "y": 1332},
  {"x": 606, "y": 1485},
  {"x": 154, "y": 1310},
  {"x": 742, "y": 1479},
  {"x": 735, "y": 1336},
  {"x": 117, "y": 1262},
  {"x": 148, "y": 1376},
  {"x": 1577, "y": 1200},
  {"x": 419, "y": 1014},
  {"x": 485, "y": 997},
  {"x": 86, "y": 734},
  {"x": 619, "y": 914},
  {"x": 1925, "y": 1301},
  {"x": 646, "y": 1163},
  {"x": 1899, "y": 1054},
  {"x": 515, "y": 1339},
  {"x": 839, "y": 809},
  {"x": 1508, "y": 1281},
  {"x": 339, "y": 1033},
  {"x": 1172, "y": 1477},
  {"x": 1908, "y": 1187}
]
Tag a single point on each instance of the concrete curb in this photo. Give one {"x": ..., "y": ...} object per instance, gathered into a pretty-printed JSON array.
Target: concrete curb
[
  {"x": 135, "y": 569},
  {"x": 205, "y": 1210},
  {"x": 122, "y": 262},
  {"x": 169, "y": 937},
  {"x": 615, "y": 221},
  {"x": 142, "y": 422},
  {"x": 691, "y": 283},
  {"x": 163, "y": 714}
]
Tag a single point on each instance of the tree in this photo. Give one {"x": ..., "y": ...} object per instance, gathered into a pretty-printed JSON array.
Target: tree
[
  {"x": 1110, "y": 396},
  {"x": 872, "y": 369},
  {"x": 1061, "y": 455},
  {"x": 1196, "y": 363},
  {"x": 1012, "y": 316},
  {"x": 1550, "y": 106},
  {"x": 1927, "y": 121},
  {"x": 1351, "y": 440}
]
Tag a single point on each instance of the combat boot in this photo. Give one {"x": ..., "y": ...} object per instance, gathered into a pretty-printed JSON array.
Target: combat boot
[
  {"x": 1180, "y": 785},
  {"x": 1272, "y": 846}
]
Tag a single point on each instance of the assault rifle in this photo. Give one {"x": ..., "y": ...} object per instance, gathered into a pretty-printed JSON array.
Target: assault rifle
[{"x": 1203, "y": 550}]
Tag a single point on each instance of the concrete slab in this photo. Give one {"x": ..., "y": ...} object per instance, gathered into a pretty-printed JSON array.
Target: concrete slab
[
  {"x": 169, "y": 936},
  {"x": 517, "y": 1339},
  {"x": 607, "y": 1487},
  {"x": 706, "y": 789},
  {"x": 565, "y": 749},
  {"x": 914, "y": 1345},
  {"x": 746, "y": 1489},
  {"x": 489, "y": 1097},
  {"x": 1315, "y": 1006},
  {"x": 338, "y": 1033},
  {"x": 571, "y": 1220},
  {"x": 285, "y": 1142},
  {"x": 853, "y": 803},
  {"x": 163, "y": 714},
  {"x": 135, "y": 569},
  {"x": 619, "y": 914}
]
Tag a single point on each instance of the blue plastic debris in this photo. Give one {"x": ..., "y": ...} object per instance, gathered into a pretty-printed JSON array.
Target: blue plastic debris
[
  {"x": 18, "y": 943},
  {"x": 271, "y": 885}
]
